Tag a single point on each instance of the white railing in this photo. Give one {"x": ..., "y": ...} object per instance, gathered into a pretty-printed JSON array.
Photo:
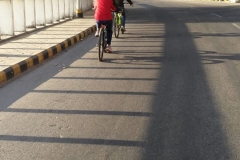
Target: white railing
[{"x": 17, "y": 16}]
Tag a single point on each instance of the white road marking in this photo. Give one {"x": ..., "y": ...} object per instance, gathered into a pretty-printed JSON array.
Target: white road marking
[
  {"x": 216, "y": 15},
  {"x": 236, "y": 25},
  {"x": 199, "y": 10}
]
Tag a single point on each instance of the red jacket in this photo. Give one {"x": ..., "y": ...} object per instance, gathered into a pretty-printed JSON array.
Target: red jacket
[{"x": 103, "y": 10}]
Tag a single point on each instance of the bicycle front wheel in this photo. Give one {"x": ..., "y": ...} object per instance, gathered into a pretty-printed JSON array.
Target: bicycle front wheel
[{"x": 101, "y": 43}]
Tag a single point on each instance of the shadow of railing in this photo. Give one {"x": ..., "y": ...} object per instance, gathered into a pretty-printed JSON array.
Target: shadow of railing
[{"x": 72, "y": 140}]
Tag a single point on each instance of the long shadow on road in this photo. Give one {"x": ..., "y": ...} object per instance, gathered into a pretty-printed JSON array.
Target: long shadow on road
[{"x": 186, "y": 123}]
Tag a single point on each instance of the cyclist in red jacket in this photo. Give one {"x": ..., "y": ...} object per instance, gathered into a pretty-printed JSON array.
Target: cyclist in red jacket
[{"x": 103, "y": 15}]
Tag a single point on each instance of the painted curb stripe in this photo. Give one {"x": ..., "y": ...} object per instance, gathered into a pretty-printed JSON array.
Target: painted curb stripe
[
  {"x": 39, "y": 58},
  {"x": 59, "y": 49},
  {"x": 75, "y": 39},
  {"x": 69, "y": 42},
  {"x": 54, "y": 50},
  {"x": 78, "y": 37},
  {"x": 86, "y": 33},
  {"x": 82, "y": 35},
  {"x": 50, "y": 52},
  {"x": 16, "y": 69},
  {"x": 62, "y": 45},
  {"x": 3, "y": 77},
  {"x": 34, "y": 60},
  {"x": 9, "y": 73},
  {"x": 23, "y": 66},
  {"x": 45, "y": 54}
]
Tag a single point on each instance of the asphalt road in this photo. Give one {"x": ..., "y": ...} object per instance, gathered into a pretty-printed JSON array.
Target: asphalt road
[{"x": 170, "y": 91}]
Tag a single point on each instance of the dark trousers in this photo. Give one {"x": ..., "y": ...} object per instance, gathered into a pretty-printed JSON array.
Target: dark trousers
[{"x": 108, "y": 24}]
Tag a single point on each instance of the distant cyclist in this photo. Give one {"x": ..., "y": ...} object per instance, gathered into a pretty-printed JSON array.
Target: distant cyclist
[
  {"x": 120, "y": 4},
  {"x": 103, "y": 15}
]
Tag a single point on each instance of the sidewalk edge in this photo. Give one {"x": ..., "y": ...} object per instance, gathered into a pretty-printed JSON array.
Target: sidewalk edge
[{"x": 18, "y": 68}]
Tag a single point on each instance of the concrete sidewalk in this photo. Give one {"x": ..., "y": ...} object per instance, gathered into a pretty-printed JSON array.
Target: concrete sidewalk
[{"x": 21, "y": 53}]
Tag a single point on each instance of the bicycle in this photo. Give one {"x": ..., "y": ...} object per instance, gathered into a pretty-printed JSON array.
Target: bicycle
[
  {"x": 102, "y": 41},
  {"x": 117, "y": 22}
]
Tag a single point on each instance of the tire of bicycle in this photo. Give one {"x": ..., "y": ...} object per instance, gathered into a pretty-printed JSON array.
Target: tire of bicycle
[
  {"x": 122, "y": 31},
  {"x": 116, "y": 27},
  {"x": 101, "y": 44}
]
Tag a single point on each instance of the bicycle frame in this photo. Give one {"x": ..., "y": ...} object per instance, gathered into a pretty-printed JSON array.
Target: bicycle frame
[{"x": 119, "y": 19}]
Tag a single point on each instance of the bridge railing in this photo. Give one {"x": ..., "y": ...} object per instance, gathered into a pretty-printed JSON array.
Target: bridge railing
[{"x": 18, "y": 16}]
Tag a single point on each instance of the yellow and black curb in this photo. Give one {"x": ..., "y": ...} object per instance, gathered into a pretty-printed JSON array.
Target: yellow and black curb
[{"x": 16, "y": 69}]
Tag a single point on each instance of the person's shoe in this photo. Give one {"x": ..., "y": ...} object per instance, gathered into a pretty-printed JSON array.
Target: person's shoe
[
  {"x": 108, "y": 49},
  {"x": 123, "y": 28},
  {"x": 97, "y": 34}
]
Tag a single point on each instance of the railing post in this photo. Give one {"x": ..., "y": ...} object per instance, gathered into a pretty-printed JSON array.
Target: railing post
[
  {"x": 24, "y": 14},
  {"x": 73, "y": 11},
  {"x": 35, "y": 14},
  {"x": 44, "y": 10},
  {"x": 19, "y": 16},
  {"x": 49, "y": 11},
  {"x": 55, "y": 10},
  {"x": 64, "y": 16},
  {"x": 59, "y": 16},
  {"x": 69, "y": 9},
  {"x": 61, "y": 8},
  {"x": 12, "y": 31},
  {"x": 0, "y": 32},
  {"x": 52, "y": 10}
]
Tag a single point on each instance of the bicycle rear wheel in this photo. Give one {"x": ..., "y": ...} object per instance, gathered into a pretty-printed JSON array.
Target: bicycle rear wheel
[
  {"x": 101, "y": 44},
  {"x": 122, "y": 30},
  {"x": 116, "y": 27}
]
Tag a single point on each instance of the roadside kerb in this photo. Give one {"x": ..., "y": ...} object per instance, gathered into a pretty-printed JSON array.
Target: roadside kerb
[{"x": 18, "y": 68}]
